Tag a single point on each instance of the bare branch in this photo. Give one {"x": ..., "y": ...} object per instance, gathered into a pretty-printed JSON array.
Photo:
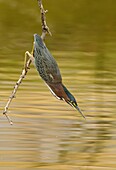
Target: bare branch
[
  {"x": 22, "y": 76},
  {"x": 45, "y": 30}
]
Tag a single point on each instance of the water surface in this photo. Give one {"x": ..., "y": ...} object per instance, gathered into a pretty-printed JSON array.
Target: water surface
[{"x": 48, "y": 134}]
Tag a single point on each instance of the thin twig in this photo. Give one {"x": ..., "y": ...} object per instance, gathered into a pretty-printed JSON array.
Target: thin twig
[
  {"x": 22, "y": 76},
  {"x": 45, "y": 30}
]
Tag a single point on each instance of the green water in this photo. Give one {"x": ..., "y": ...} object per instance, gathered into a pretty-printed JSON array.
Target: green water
[{"x": 48, "y": 134}]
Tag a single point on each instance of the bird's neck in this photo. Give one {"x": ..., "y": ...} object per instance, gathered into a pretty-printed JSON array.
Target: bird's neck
[{"x": 58, "y": 90}]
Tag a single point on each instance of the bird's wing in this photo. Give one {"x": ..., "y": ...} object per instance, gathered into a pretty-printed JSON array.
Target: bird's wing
[
  {"x": 51, "y": 67},
  {"x": 47, "y": 66}
]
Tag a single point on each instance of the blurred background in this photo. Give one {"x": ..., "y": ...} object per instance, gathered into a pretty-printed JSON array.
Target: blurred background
[{"x": 47, "y": 133}]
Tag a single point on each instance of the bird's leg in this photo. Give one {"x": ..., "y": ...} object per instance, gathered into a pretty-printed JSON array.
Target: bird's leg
[
  {"x": 28, "y": 58},
  {"x": 28, "y": 55}
]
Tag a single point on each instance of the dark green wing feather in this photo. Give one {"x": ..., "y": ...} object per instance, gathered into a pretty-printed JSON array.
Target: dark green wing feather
[{"x": 45, "y": 63}]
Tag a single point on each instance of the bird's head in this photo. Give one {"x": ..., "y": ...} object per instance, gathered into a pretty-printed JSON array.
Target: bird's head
[{"x": 72, "y": 101}]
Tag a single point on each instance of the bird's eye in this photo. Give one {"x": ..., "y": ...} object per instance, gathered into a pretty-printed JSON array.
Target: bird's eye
[{"x": 73, "y": 103}]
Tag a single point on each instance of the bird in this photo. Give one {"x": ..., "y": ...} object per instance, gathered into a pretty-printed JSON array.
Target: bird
[{"x": 48, "y": 70}]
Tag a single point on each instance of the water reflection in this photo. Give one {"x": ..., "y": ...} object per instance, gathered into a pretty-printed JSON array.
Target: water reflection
[{"x": 47, "y": 133}]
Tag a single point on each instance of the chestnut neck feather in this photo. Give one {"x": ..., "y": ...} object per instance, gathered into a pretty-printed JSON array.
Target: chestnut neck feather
[{"x": 58, "y": 90}]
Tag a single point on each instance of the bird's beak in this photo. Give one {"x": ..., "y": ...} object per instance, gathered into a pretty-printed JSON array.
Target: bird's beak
[
  {"x": 76, "y": 107},
  {"x": 80, "y": 111}
]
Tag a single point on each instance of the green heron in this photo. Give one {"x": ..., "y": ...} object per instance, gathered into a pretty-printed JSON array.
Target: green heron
[{"x": 50, "y": 73}]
